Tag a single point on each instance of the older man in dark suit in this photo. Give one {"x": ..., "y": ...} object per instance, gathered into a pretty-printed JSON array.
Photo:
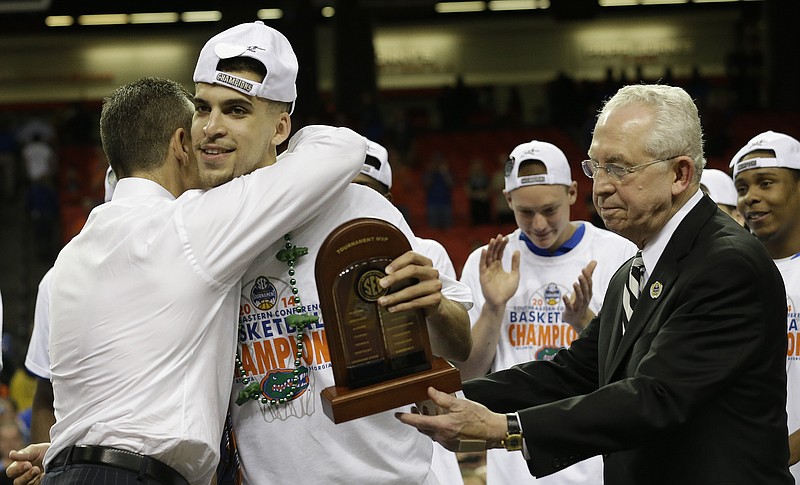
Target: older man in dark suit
[{"x": 680, "y": 378}]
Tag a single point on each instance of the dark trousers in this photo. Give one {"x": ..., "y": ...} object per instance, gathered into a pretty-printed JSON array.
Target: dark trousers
[{"x": 86, "y": 474}]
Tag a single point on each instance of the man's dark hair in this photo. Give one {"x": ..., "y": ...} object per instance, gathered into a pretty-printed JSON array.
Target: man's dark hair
[
  {"x": 243, "y": 64},
  {"x": 138, "y": 120},
  {"x": 248, "y": 64},
  {"x": 531, "y": 167}
]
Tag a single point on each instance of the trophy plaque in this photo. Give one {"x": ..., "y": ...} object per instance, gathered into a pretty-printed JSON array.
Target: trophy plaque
[{"x": 380, "y": 360}]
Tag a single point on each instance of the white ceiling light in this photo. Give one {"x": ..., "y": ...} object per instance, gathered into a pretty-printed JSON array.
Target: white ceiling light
[
  {"x": 154, "y": 18},
  {"x": 59, "y": 21},
  {"x": 457, "y": 7},
  {"x": 269, "y": 14},
  {"x": 201, "y": 16},
  {"x": 617, "y": 3},
  {"x": 500, "y": 5},
  {"x": 104, "y": 19}
]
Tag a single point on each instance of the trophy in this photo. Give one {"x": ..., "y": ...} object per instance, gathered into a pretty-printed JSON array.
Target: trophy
[{"x": 380, "y": 360}]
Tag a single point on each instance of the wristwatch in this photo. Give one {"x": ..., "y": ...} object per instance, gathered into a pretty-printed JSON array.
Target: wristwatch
[{"x": 513, "y": 440}]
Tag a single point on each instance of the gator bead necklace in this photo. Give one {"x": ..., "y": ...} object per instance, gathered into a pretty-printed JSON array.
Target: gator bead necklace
[{"x": 298, "y": 322}]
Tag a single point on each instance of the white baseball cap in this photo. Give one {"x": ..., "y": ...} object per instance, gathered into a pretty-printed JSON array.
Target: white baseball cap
[
  {"x": 109, "y": 184},
  {"x": 720, "y": 186},
  {"x": 558, "y": 171},
  {"x": 376, "y": 165},
  {"x": 257, "y": 41},
  {"x": 786, "y": 148}
]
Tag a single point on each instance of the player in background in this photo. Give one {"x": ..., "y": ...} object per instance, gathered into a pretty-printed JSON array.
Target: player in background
[{"x": 535, "y": 307}]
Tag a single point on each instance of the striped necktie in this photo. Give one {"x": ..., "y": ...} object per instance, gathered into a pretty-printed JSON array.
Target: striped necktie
[{"x": 632, "y": 289}]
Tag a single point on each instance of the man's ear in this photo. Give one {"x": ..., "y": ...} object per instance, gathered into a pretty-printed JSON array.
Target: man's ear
[
  {"x": 684, "y": 173},
  {"x": 181, "y": 146},
  {"x": 282, "y": 128},
  {"x": 572, "y": 192}
]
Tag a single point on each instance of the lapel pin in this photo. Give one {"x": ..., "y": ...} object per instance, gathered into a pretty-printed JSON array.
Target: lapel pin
[{"x": 655, "y": 289}]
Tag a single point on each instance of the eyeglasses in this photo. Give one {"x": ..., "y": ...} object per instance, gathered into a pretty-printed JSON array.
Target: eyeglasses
[{"x": 614, "y": 171}]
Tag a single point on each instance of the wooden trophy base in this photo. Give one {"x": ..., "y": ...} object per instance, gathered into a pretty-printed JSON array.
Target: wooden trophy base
[{"x": 342, "y": 404}]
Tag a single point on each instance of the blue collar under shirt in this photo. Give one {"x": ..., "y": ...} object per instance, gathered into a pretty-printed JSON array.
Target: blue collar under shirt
[{"x": 568, "y": 245}]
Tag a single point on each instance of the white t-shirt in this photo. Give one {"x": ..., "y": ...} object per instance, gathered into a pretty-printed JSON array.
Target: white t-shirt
[
  {"x": 532, "y": 328},
  {"x": 296, "y": 441},
  {"x": 37, "y": 359},
  {"x": 144, "y": 301},
  {"x": 790, "y": 270}
]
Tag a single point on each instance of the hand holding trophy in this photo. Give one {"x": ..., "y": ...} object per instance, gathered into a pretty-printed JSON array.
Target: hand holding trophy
[{"x": 381, "y": 360}]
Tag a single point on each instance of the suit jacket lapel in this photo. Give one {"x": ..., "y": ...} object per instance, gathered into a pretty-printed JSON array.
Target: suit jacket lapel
[
  {"x": 660, "y": 282},
  {"x": 656, "y": 290}
]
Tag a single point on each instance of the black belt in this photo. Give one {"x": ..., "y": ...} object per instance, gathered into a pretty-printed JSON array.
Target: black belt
[{"x": 116, "y": 458}]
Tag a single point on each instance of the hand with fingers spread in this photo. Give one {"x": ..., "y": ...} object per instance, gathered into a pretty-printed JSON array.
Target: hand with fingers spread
[
  {"x": 27, "y": 468},
  {"x": 498, "y": 285},
  {"x": 576, "y": 308},
  {"x": 461, "y": 420}
]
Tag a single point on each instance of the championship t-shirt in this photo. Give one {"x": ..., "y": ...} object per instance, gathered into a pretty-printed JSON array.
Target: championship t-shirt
[
  {"x": 296, "y": 442},
  {"x": 790, "y": 270}
]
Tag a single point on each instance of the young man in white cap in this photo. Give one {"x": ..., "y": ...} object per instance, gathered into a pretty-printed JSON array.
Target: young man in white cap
[
  {"x": 513, "y": 322},
  {"x": 719, "y": 186},
  {"x": 142, "y": 299},
  {"x": 281, "y": 430},
  {"x": 766, "y": 173}
]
